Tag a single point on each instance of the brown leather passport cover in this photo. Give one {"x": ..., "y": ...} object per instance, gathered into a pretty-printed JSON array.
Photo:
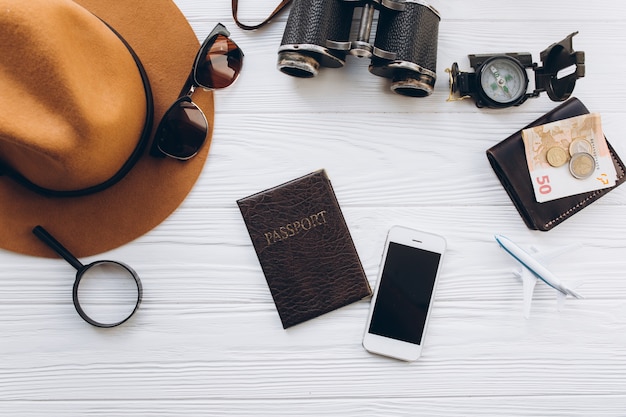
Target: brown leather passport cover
[
  {"x": 508, "y": 160},
  {"x": 305, "y": 249}
]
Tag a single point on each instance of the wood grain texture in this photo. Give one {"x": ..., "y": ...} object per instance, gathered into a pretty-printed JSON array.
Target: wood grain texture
[{"x": 207, "y": 339}]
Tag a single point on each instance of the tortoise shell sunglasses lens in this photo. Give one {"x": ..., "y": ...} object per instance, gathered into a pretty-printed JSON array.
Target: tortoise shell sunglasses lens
[
  {"x": 219, "y": 63},
  {"x": 182, "y": 130}
]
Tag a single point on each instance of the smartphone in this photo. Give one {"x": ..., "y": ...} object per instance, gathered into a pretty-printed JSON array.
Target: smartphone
[{"x": 404, "y": 293}]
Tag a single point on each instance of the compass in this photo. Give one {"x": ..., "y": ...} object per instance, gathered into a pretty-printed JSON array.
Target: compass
[{"x": 502, "y": 80}]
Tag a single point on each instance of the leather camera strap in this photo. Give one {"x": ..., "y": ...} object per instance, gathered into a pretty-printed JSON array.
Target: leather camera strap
[{"x": 235, "y": 4}]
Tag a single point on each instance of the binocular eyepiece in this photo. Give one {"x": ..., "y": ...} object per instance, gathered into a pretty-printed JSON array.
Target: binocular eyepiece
[{"x": 404, "y": 50}]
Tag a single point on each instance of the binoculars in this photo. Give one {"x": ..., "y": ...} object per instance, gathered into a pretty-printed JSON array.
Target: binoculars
[{"x": 404, "y": 50}]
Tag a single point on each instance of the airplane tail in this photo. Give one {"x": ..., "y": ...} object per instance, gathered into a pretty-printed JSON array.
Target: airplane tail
[{"x": 560, "y": 297}]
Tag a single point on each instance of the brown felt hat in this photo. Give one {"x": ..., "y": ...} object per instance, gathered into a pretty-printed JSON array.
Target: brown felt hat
[{"x": 77, "y": 117}]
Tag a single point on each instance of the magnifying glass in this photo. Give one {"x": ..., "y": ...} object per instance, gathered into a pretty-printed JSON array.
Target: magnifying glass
[{"x": 106, "y": 293}]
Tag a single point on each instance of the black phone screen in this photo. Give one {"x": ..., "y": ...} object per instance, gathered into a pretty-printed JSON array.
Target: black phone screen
[{"x": 404, "y": 293}]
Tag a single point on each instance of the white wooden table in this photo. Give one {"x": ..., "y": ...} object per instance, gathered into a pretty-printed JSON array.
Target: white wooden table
[{"x": 207, "y": 339}]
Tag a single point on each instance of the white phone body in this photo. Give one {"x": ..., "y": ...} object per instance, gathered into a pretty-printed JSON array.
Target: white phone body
[{"x": 404, "y": 293}]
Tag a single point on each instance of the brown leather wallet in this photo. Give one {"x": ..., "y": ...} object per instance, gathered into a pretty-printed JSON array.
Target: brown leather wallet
[{"x": 508, "y": 160}]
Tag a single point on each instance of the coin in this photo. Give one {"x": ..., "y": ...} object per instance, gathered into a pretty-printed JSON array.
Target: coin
[
  {"x": 579, "y": 145},
  {"x": 582, "y": 165},
  {"x": 556, "y": 156}
]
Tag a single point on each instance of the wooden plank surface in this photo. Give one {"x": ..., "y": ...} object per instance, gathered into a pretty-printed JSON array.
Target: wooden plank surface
[{"x": 207, "y": 339}]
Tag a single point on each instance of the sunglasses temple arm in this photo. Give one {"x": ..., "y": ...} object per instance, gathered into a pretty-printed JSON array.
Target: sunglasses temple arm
[{"x": 54, "y": 244}]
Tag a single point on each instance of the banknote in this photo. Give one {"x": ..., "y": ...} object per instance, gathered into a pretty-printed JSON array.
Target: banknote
[{"x": 568, "y": 157}]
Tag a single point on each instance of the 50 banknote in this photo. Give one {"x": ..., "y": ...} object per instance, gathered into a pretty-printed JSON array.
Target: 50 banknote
[{"x": 568, "y": 157}]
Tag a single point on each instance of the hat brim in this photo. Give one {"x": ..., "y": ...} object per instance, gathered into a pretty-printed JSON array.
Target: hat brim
[{"x": 166, "y": 45}]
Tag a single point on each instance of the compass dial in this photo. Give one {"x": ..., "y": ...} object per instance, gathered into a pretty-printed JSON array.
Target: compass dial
[{"x": 503, "y": 80}]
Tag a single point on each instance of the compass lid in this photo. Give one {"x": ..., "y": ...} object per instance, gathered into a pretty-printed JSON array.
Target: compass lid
[{"x": 557, "y": 59}]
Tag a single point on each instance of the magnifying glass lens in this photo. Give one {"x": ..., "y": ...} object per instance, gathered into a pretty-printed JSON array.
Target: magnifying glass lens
[{"x": 107, "y": 292}]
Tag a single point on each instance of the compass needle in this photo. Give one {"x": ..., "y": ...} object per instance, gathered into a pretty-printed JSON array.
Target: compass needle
[{"x": 510, "y": 81}]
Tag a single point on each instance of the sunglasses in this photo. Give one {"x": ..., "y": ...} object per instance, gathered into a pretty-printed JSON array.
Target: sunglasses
[{"x": 184, "y": 127}]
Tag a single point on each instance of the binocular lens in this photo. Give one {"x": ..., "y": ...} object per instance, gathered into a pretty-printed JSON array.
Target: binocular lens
[
  {"x": 408, "y": 83},
  {"x": 298, "y": 65},
  {"x": 107, "y": 292}
]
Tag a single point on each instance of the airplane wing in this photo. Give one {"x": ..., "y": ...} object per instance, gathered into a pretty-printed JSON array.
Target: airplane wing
[
  {"x": 546, "y": 256},
  {"x": 528, "y": 281}
]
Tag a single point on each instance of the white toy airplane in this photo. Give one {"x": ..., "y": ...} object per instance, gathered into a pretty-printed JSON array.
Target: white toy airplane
[{"x": 533, "y": 270}]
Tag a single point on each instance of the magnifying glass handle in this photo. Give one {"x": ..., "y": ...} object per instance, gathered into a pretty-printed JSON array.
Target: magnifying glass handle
[{"x": 54, "y": 244}]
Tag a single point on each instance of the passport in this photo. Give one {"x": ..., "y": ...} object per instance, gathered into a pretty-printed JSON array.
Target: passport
[{"x": 304, "y": 247}]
